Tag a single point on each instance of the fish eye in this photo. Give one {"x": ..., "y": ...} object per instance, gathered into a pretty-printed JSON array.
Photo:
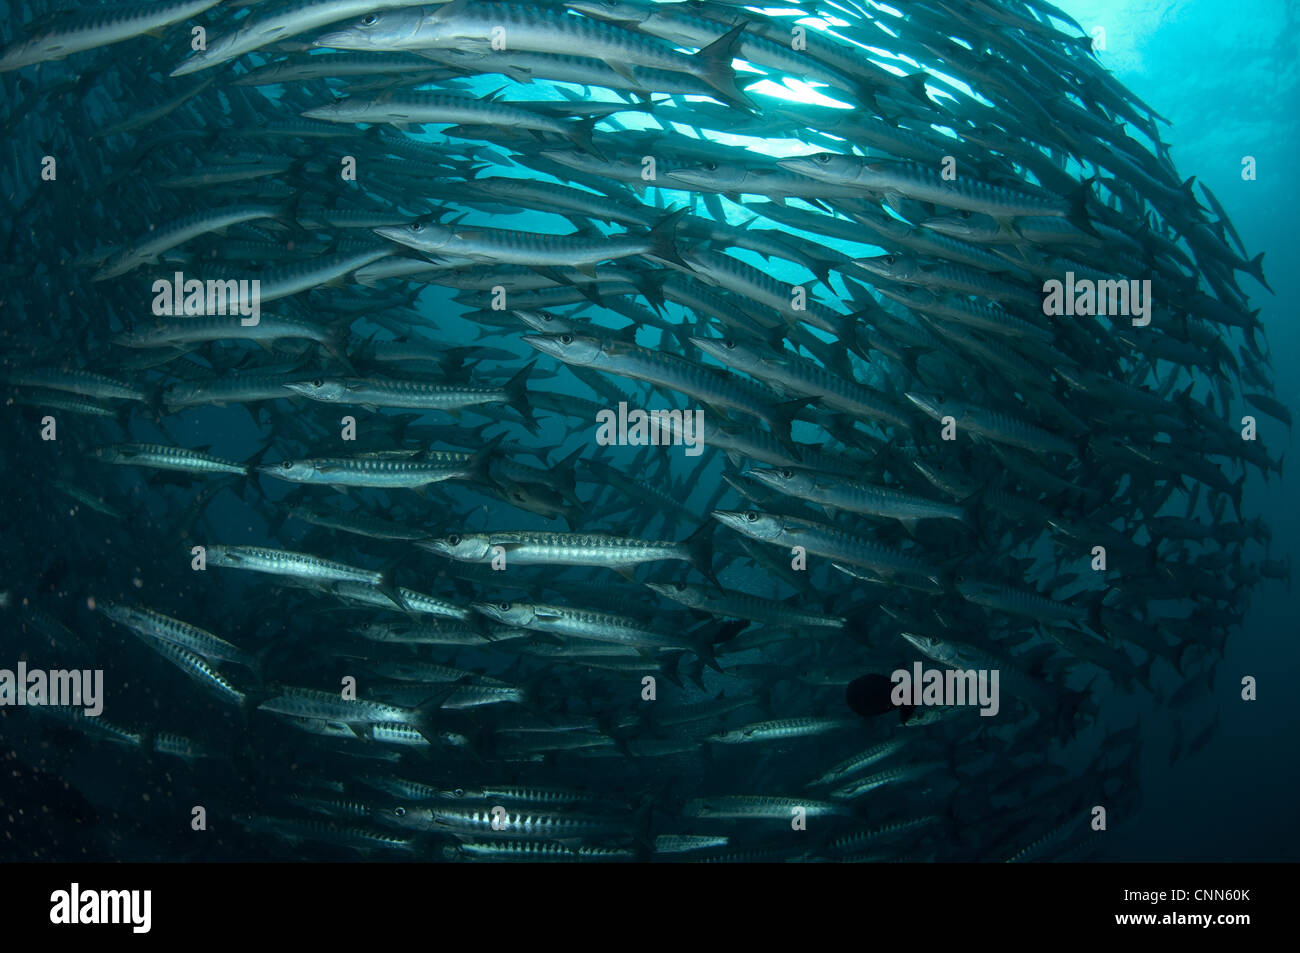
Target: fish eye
[
  {"x": 729, "y": 344},
  {"x": 288, "y": 464},
  {"x": 566, "y": 339},
  {"x": 822, "y": 157},
  {"x": 459, "y": 792},
  {"x": 454, "y": 540},
  {"x": 787, "y": 474},
  {"x": 960, "y": 579},
  {"x": 503, "y": 606},
  {"x": 399, "y": 811},
  {"x": 417, "y": 227},
  {"x": 888, "y": 259},
  {"x": 964, "y": 213},
  {"x": 710, "y": 167},
  {"x": 751, "y": 515},
  {"x": 680, "y": 586},
  {"x": 318, "y": 383},
  {"x": 370, "y": 19}
]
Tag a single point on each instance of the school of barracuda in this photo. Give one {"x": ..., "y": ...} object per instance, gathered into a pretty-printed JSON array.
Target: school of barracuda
[{"x": 477, "y": 225}]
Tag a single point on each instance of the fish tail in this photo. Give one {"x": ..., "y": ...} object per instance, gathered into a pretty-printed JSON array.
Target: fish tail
[
  {"x": 517, "y": 397},
  {"x": 716, "y": 61},
  {"x": 699, "y": 548}
]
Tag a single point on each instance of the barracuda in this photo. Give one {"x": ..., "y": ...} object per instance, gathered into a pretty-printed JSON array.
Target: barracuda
[
  {"x": 235, "y": 389},
  {"x": 351, "y": 471},
  {"x": 842, "y": 494},
  {"x": 794, "y": 375},
  {"x": 526, "y": 548},
  {"x": 781, "y": 729},
  {"x": 579, "y": 624},
  {"x": 1034, "y": 691},
  {"x": 256, "y": 32},
  {"x": 417, "y": 395},
  {"x": 72, "y": 405},
  {"x": 309, "y": 67},
  {"x": 197, "y": 668},
  {"x": 90, "y": 29},
  {"x": 978, "y": 315},
  {"x": 993, "y": 425},
  {"x": 460, "y": 26},
  {"x": 349, "y": 522},
  {"x": 411, "y": 601},
  {"x": 423, "y": 633},
  {"x": 713, "y": 388},
  {"x": 909, "y": 772},
  {"x": 925, "y": 184},
  {"x": 281, "y": 562},
  {"x": 331, "y": 706},
  {"x": 494, "y": 245},
  {"x": 822, "y": 540},
  {"x": 417, "y": 108},
  {"x": 742, "y": 806},
  {"x": 1020, "y": 602},
  {"x": 85, "y": 383},
  {"x": 161, "y": 457},
  {"x": 859, "y": 762},
  {"x": 146, "y": 250},
  {"x": 155, "y": 625},
  {"x": 485, "y": 821},
  {"x": 742, "y": 605}
]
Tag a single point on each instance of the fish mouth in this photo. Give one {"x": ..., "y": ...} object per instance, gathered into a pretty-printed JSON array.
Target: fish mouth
[
  {"x": 545, "y": 343},
  {"x": 918, "y": 641},
  {"x": 301, "y": 387},
  {"x": 332, "y": 39},
  {"x": 801, "y": 166},
  {"x": 687, "y": 177},
  {"x": 394, "y": 233},
  {"x": 735, "y": 519},
  {"x": 714, "y": 347},
  {"x": 767, "y": 477},
  {"x": 927, "y": 404},
  {"x": 491, "y": 610},
  {"x": 875, "y": 266}
]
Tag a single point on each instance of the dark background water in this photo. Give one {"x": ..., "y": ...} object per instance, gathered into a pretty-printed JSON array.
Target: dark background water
[{"x": 1228, "y": 79}]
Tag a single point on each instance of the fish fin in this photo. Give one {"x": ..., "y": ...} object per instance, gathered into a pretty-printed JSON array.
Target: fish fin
[
  {"x": 1078, "y": 216},
  {"x": 663, "y": 240},
  {"x": 580, "y": 134},
  {"x": 427, "y": 712},
  {"x": 388, "y": 587},
  {"x": 716, "y": 59},
  {"x": 700, "y": 549},
  {"x": 517, "y": 397},
  {"x": 624, "y": 70},
  {"x": 1256, "y": 271}
]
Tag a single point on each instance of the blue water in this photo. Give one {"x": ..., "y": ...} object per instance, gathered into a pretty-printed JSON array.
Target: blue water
[{"x": 1228, "y": 79}]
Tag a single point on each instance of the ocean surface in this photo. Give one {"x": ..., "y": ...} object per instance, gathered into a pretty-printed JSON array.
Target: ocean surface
[{"x": 1209, "y": 777}]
